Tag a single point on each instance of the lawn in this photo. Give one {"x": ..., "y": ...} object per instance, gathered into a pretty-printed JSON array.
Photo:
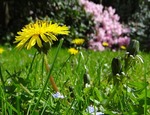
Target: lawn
[
  {"x": 92, "y": 60},
  {"x": 83, "y": 80}
]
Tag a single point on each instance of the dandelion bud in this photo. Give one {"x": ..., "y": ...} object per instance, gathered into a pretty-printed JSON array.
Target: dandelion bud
[
  {"x": 86, "y": 79},
  {"x": 133, "y": 47},
  {"x": 116, "y": 66}
]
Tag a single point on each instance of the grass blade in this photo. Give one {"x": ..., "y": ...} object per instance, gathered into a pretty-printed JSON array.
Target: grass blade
[{"x": 47, "y": 79}]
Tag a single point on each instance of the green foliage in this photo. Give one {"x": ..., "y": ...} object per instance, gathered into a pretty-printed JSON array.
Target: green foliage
[
  {"x": 140, "y": 26},
  {"x": 67, "y": 12},
  {"x": 74, "y": 16},
  {"x": 84, "y": 79}
]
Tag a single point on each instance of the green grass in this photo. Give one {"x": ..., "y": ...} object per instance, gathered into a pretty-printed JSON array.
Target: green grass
[{"x": 23, "y": 78}]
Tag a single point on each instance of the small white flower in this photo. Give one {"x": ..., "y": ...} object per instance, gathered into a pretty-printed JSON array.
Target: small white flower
[
  {"x": 58, "y": 95},
  {"x": 90, "y": 109},
  {"x": 93, "y": 111},
  {"x": 87, "y": 85},
  {"x": 98, "y": 113}
]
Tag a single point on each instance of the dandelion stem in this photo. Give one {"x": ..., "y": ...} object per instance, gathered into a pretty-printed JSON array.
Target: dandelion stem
[
  {"x": 46, "y": 63},
  {"x": 47, "y": 79},
  {"x": 54, "y": 86}
]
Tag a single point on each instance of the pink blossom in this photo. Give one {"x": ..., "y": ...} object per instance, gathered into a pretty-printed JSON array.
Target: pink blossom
[
  {"x": 126, "y": 30},
  {"x": 115, "y": 17},
  {"x": 124, "y": 41},
  {"x": 100, "y": 33},
  {"x": 111, "y": 11},
  {"x": 107, "y": 26}
]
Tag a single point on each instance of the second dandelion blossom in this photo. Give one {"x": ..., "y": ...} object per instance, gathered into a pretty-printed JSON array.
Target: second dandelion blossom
[
  {"x": 78, "y": 41},
  {"x": 1, "y": 50},
  {"x": 73, "y": 51}
]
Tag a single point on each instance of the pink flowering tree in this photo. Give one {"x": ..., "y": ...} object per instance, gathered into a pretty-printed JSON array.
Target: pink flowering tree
[{"x": 110, "y": 33}]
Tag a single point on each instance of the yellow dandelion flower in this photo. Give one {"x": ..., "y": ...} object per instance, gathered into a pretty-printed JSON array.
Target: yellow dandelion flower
[
  {"x": 39, "y": 32},
  {"x": 78, "y": 41},
  {"x": 73, "y": 51},
  {"x": 1, "y": 50},
  {"x": 123, "y": 47},
  {"x": 105, "y": 44}
]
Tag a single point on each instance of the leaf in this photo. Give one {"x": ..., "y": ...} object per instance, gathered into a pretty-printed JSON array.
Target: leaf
[{"x": 98, "y": 94}]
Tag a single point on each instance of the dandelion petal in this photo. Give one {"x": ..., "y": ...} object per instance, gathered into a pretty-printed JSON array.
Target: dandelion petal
[
  {"x": 32, "y": 42},
  {"x": 44, "y": 38},
  {"x": 39, "y": 42}
]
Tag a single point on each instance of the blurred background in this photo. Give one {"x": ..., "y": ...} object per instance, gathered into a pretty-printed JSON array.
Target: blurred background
[{"x": 14, "y": 14}]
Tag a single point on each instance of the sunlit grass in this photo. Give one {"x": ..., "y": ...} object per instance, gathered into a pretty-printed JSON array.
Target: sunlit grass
[{"x": 23, "y": 78}]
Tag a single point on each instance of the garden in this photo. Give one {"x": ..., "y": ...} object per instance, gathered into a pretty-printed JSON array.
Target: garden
[{"x": 75, "y": 57}]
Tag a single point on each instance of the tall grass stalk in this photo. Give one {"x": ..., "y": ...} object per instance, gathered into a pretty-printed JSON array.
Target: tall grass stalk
[
  {"x": 47, "y": 79},
  {"x": 1, "y": 76},
  {"x": 31, "y": 65},
  {"x": 145, "y": 81}
]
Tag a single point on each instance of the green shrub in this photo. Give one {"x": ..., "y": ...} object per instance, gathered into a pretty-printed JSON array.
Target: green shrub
[
  {"x": 74, "y": 16},
  {"x": 140, "y": 26},
  {"x": 68, "y": 12}
]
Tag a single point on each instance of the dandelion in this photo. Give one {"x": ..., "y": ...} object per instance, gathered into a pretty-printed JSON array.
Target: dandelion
[
  {"x": 123, "y": 47},
  {"x": 105, "y": 44},
  {"x": 1, "y": 50},
  {"x": 39, "y": 33},
  {"x": 78, "y": 41},
  {"x": 73, "y": 51}
]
